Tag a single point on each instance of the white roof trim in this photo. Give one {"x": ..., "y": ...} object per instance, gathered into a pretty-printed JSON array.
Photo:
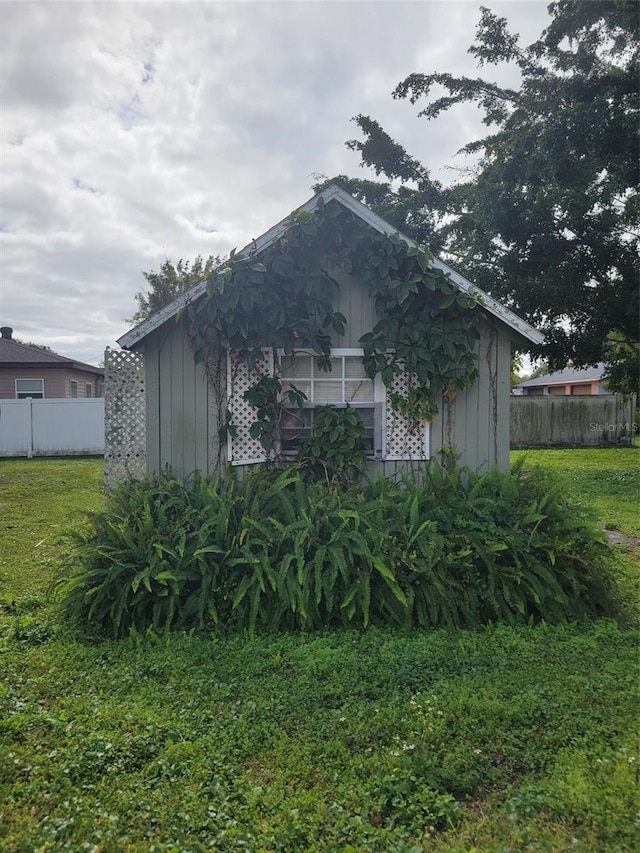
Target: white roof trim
[{"x": 135, "y": 335}]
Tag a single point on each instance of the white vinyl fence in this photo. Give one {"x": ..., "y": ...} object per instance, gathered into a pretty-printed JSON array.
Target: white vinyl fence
[{"x": 52, "y": 427}]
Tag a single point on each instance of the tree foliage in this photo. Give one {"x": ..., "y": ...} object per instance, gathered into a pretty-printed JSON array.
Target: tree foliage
[
  {"x": 548, "y": 219},
  {"x": 170, "y": 281}
]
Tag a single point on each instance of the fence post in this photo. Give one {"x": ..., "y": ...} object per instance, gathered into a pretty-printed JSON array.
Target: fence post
[{"x": 30, "y": 411}]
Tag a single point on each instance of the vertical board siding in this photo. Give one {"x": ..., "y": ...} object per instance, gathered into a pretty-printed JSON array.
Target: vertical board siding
[
  {"x": 164, "y": 403},
  {"x": 183, "y": 413},
  {"x": 484, "y": 442},
  {"x": 472, "y": 447},
  {"x": 152, "y": 403},
  {"x": 503, "y": 369},
  {"x": 201, "y": 417},
  {"x": 181, "y": 407},
  {"x": 475, "y": 424},
  {"x": 181, "y": 422},
  {"x": 356, "y": 305}
]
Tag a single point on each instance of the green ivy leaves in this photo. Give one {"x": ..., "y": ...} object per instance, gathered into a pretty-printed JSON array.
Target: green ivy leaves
[
  {"x": 284, "y": 298},
  {"x": 338, "y": 446}
]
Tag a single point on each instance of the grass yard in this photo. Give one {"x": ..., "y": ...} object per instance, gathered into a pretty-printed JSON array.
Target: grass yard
[
  {"x": 505, "y": 739},
  {"x": 607, "y": 479}
]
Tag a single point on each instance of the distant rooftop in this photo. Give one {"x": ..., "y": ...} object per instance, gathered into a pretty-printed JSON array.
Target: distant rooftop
[
  {"x": 569, "y": 374},
  {"x": 17, "y": 354}
]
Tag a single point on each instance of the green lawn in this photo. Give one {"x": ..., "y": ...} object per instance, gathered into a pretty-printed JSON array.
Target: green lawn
[
  {"x": 506, "y": 739},
  {"x": 607, "y": 479}
]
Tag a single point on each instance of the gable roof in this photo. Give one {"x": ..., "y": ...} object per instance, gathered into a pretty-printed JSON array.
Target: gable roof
[
  {"x": 333, "y": 191},
  {"x": 562, "y": 377},
  {"x": 15, "y": 354}
]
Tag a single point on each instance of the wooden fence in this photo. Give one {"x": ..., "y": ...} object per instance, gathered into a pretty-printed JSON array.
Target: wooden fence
[{"x": 557, "y": 421}]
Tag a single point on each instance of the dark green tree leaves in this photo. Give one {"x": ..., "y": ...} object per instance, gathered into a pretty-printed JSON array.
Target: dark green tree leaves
[
  {"x": 170, "y": 281},
  {"x": 548, "y": 223}
]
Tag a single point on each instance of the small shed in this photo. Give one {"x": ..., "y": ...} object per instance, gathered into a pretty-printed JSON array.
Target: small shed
[{"x": 185, "y": 406}]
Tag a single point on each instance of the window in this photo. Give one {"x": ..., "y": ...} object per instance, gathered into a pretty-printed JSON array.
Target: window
[
  {"x": 346, "y": 384},
  {"x": 88, "y": 390},
  {"x": 29, "y": 388},
  {"x": 73, "y": 388}
]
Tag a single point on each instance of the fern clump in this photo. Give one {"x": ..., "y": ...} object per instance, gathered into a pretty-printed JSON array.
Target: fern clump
[{"x": 275, "y": 551}]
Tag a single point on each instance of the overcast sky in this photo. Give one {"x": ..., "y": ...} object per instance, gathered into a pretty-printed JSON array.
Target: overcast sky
[{"x": 136, "y": 132}]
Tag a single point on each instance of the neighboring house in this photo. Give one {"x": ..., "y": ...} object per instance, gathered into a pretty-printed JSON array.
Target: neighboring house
[
  {"x": 571, "y": 381},
  {"x": 27, "y": 371},
  {"x": 183, "y": 409}
]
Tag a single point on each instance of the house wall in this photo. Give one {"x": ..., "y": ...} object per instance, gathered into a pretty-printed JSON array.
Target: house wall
[
  {"x": 57, "y": 382},
  {"x": 183, "y": 416},
  {"x": 576, "y": 389}
]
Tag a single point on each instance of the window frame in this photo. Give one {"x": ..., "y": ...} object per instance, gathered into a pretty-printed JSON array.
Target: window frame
[
  {"x": 73, "y": 382},
  {"x": 88, "y": 390},
  {"x": 26, "y": 395},
  {"x": 378, "y": 404}
]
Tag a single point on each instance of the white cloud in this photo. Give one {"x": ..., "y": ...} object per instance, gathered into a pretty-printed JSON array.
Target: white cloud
[{"x": 136, "y": 132}]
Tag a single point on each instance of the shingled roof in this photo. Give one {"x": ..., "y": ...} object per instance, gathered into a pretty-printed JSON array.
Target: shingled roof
[
  {"x": 562, "y": 377},
  {"x": 21, "y": 355}
]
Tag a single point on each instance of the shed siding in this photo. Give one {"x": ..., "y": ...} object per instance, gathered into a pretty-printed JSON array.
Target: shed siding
[
  {"x": 181, "y": 411},
  {"x": 152, "y": 401},
  {"x": 475, "y": 424},
  {"x": 357, "y": 307},
  {"x": 183, "y": 416}
]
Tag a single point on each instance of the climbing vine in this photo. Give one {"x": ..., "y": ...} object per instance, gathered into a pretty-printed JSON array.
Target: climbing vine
[{"x": 283, "y": 298}]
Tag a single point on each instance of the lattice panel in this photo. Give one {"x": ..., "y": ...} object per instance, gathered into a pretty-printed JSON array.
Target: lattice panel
[
  {"x": 243, "y": 447},
  {"x": 125, "y": 450},
  {"x": 405, "y": 435}
]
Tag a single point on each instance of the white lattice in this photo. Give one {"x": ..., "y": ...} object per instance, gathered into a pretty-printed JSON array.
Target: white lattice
[
  {"x": 124, "y": 417},
  {"x": 406, "y": 436},
  {"x": 244, "y": 448}
]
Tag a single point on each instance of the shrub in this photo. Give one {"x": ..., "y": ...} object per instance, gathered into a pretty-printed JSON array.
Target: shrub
[
  {"x": 338, "y": 446},
  {"x": 157, "y": 555},
  {"x": 275, "y": 552}
]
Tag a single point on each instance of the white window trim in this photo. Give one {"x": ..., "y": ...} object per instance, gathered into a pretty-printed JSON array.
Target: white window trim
[
  {"x": 379, "y": 395},
  {"x": 73, "y": 382},
  {"x": 28, "y": 379},
  {"x": 379, "y": 391}
]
